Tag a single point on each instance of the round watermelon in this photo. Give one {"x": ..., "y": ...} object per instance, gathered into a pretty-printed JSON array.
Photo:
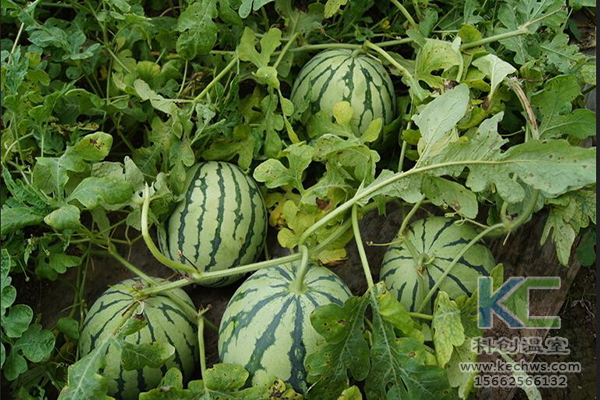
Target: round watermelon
[
  {"x": 438, "y": 241},
  {"x": 167, "y": 322},
  {"x": 220, "y": 223},
  {"x": 345, "y": 75},
  {"x": 266, "y": 326}
]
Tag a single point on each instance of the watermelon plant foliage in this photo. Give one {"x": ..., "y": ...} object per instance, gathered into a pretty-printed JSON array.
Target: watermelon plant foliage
[{"x": 475, "y": 111}]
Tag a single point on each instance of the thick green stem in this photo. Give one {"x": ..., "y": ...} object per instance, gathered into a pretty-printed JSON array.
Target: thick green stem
[
  {"x": 402, "y": 155},
  {"x": 524, "y": 215},
  {"x": 152, "y": 247},
  {"x": 216, "y": 79},
  {"x": 409, "y": 216},
  {"x": 420, "y": 315},
  {"x": 125, "y": 317},
  {"x": 297, "y": 285},
  {"x": 201, "y": 349},
  {"x": 374, "y": 188},
  {"x": 494, "y": 38},
  {"x": 191, "y": 311},
  {"x": 521, "y": 30},
  {"x": 285, "y": 49},
  {"x": 455, "y": 261},
  {"x": 390, "y": 59},
  {"x": 406, "y": 14},
  {"x": 14, "y": 47},
  {"x": 361, "y": 248}
]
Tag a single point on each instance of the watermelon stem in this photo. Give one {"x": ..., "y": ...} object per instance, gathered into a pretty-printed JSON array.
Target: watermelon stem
[
  {"x": 285, "y": 49},
  {"x": 297, "y": 285},
  {"x": 455, "y": 261},
  {"x": 361, "y": 248},
  {"x": 166, "y": 288},
  {"x": 406, "y": 14},
  {"x": 152, "y": 247},
  {"x": 421, "y": 315},
  {"x": 216, "y": 79},
  {"x": 201, "y": 347}
]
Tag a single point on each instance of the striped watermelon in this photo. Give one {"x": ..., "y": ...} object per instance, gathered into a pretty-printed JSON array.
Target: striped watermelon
[
  {"x": 266, "y": 327},
  {"x": 343, "y": 75},
  {"x": 439, "y": 240},
  {"x": 166, "y": 323},
  {"x": 221, "y": 222}
]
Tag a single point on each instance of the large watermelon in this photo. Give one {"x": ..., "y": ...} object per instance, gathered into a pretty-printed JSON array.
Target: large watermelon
[
  {"x": 438, "y": 240},
  {"x": 221, "y": 222},
  {"x": 266, "y": 326},
  {"x": 344, "y": 75},
  {"x": 167, "y": 322}
]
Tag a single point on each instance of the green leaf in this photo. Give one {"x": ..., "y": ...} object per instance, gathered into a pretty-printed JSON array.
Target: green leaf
[
  {"x": 144, "y": 91},
  {"x": 552, "y": 166},
  {"x": 395, "y": 375},
  {"x": 198, "y": 32},
  {"x": 586, "y": 252},
  {"x": 55, "y": 263},
  {"x": 17, "y": 320},
  {"x": 93, "y": 147},
  {"x": 137, "y": 356},
  {"x": 17, "y": 218},
  {"x": 407, "y": 189},
  {"x": 461, "y": 379},
  {"x": 269, "y": 42},
  {"x": 14, "y": 366},
  {"x": 352, "y": 393},
  {"x": 439, "y": 117},
  {"x": 84, "y": 381},
  {"x": 66, "y": 217},
  {"x": 494, "y": 68},
  {"x": 438, "y": 55},
  {"x": 36, "y": 343},
  {"x": 251, "y": 5},
  {"x": 93, "y": 192},
  {"x": 169, "y": 388},
  {"x": 392, "y": 311},
  {"x": 274, "y": 174},
  {"x": 268, "y": 75},
  {"x": 69, "y": 327},
  {"x": 445, "y": 193},
  {"x": 448, "y": 331},
  {"x": 561, "y": 54},
  {"x": 241, "y": 145},
  {"x": 225, "y": 377},
  {"x": 569, "y": 214},
  {"x": 50, "y": 175},
  {"x": 333, "y": 6},
  {"x": 588, "y": 73},
  {"x": 297, "y": 20},
  {"x": 342, "y": 111},
  {"x": 555, "y": 103},
  {"x": 346, "y": 349}
]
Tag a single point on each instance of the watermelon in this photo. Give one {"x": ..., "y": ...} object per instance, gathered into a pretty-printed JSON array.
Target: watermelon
[
  {"x": 167, "y": 322},
  {"x": 438, "y": 241},
  {"x": 220, "y": 223},
  {"x": 266, "y": 326},
  {"x": 345, "y": 75}
]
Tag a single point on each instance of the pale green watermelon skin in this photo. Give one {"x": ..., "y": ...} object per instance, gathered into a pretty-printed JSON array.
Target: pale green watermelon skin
[
  {"x": 442, "y": 238},
  {"x": 167, "y": 322},
  {"x": 343, "y": 75},
  {"x": 266, "y": 328},
  {"x": 221, "y": 222}
]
